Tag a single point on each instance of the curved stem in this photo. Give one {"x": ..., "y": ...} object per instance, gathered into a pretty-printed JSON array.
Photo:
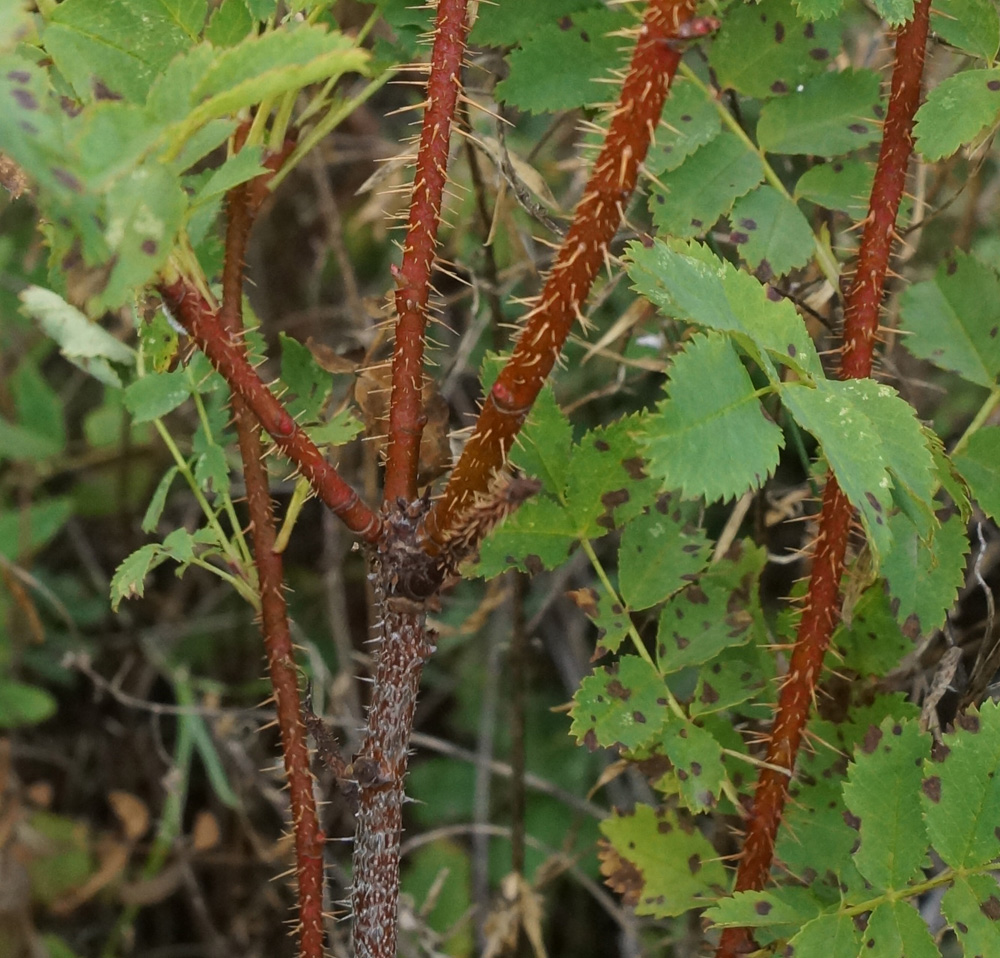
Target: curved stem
[
  {"x": 413, "y": 278},
  {"x": 583, "y": 252},
  {"x": 819, "y": 616}
]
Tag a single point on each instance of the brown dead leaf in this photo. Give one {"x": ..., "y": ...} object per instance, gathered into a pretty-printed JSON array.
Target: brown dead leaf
[
  {"x": 620, "y": 875},
  {"x": 132, "y": 814},
  {"x": 519, "y": 909},
  {"x": 206, "y": 832}
]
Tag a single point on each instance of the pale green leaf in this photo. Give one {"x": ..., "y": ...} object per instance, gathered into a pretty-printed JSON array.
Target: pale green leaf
[
  {"x": 972, "y": 906},
  {"x": 954, "y": 318},
  {"x": 658, "y": 556},
  {"x": 779, "y": 910},
  {"x": 765, "y": 48},
  {"x": 711, "y": 437},
  {"x": 342, "y": 428},
  {"x": 556, "y": 65},
  {"x": 843, "y": 185},
  {"x": 15, "y": 22},
  {"x": 244, "y": 166},
  {"x": 688, "y": 200},
  {"x": 971, "y": 25},
  {"x": 622, "y": 704},
  {"x": 690, "y": 283},
  {"x": 818, "y": 9},
  {"x": 979, "y": 463},
  {"x": 924, "y": 575},
  {"x": 230, "y": 23},
  {"x": 261, "y": 9},
  {"x": 677, "y": 867},
  {"x": 894, "y": 12},
  {"x": 956, "y": 111},
  {"x": 23, "y": 704},
  {"x": 719, "y": 610},
  {"x": 770, "y": 232},
  {"x": 159, "y": 500},
  {"x": 690, "y": 119},
  {"x": 697, "y": 774},
  {"x": 896, "y": 930},
  {"x": 77, "y": 336},
  {"x": 825, "y": 115},
  {"x": 157, "y": 394},
  {"x": 211, "y": 470},
  {"x": 129, "y": 577},
  {"x": 961, "y": 790},
  {"x": 883, "y": 793}
]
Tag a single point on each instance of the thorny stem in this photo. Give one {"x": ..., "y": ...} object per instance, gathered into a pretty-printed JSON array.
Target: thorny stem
[
  {"x": 822, "y": 600},
  {"x": 242, "y": 204},
  {"x": 413, "y": 278},
  {"x": 584, "y": 250}
]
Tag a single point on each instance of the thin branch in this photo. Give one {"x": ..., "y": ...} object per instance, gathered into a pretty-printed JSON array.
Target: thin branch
[
  {"x": 583, "y": 252},
  {"x": 413, "y": 278},
  {"x": 819, "y": 616}
]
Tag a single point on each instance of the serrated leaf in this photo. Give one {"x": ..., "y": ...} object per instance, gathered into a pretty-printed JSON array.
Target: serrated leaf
[
  {"x": 894, "y": 12},
  {"x": 979, "y": 463},
  {"x": 341, "y": 429},
  {"x": 663, "y": 866},
  {"x": 765, "y": 48},
  {"x": 970, "y": 25},
  {"x": 873, "y": 643},
  {"x": 543, "y": 448},
  {"x": 818, "y": 9},
  {"x": 230, "y": 23},
  {"x": 843, "y": 416},
  {"x": 720, "y": 610},
  {"x": 896, "y": 930},
  {"x": 961, "y": 791},
  {"x": 972, "y": 905},
  {"x": 657, "y": 556},
  {"x": 735, "y": 676},
  {"x": 924, "y": 576},
  {"x": 689, "y": 282},
  {"x": 782, "y": 909},
  {"x": 622, "y": 704},
  {"x": 688, "y": 200},
  {"x": 159, "y": 500},
  {"x": 129, "y": 577},
  {"x": 609, "y": 616},
  {"x": 556, "y": 65},
  {"x": 504, "y": 24},
  {"x": 833, "y": 936},
  {"x": 309, "y": 384},
  {"x": 825, "y": 115},
  {"x": 770, "y": 232},
  {"x": 690, "y": 119},
  {"x": 539, "y": 535},
  {"x": 157, "y": 394},
  {"x": 244, "y": 166},
  {"x": 843, "y": 185},
  {"x": 883, "y": 793},
  {"x": 23, "y": 704},
  {"x": 77, "y": 336},
  {"x": 211, "y": 470},
  {"x": 698, "y": 774},
  {"x": 956, "y": 111},
  {"x": 955, "y": 319},
  {"x": 711, "y": 437},
  {"x": 261, "y": 9}
]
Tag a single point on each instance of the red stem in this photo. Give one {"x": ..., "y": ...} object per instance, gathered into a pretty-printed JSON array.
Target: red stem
[
  {"x": 200, "y": 320},
  {"x": 413, "y": 278},
  {"x": 819, "y": 616},
  {"x": 654, "y": 62},
  {"x": 242, "y": 204}
]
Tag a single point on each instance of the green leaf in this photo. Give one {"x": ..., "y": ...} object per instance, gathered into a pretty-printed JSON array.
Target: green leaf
[
  {"x": 955, "y": 319},
  {"x": 971, "y": 906},
  {"x": 961, "y": 791},
  {"x": 22, "y": 443},
  {"x": 765, "y": 48},
  {"x": 843, "y": 185},
  {"x": 657, "y": 556},
  {"x": 244, "y": 166},
  {"x": 211, "y": 470},
  {"x": 883, "y": 793},
  {"x": 157, "y": 394},
  {"x": 770, "y": 232},
  {"x": 779, "y": 910},
  {"x": 159, "y": 500},
  {"x": 688, "y": 200},
  {"x": 956, "y": 111},
  {"x": 309, "y": 383},
  {"x": 22, "y": 704},
  {"x": 872, "y": 643},
  {"x": 826, "y": 115},
  {"x": 610, "y": 618},
  {"x": 538, "y": 536},
  {"x": 159, "y": 341},
  {"x": 979, "y": 463},
  {"x": 556, "y": 65},
  {"x": 665, "y": 865},
  {"x": 230, "y": 23},
  {"x": 39, "y": 407},
  {"x": 736, "y": 675},
  {"x": 129, "y": 577},
  {"x": 543, "y": 448},
  {"x": 720, "y": 610},
  {"x": 622, "y": 704},
  {"x": 894, "y": 12},
  {"x": 896, "y": 930},
  {"x": 924, "y": 576},
  {"x": 15, "y": 22},
  {"x": 261, "y": 9},
  {"x": 25, "y": 530},
  {"x": 818, "y": 9},
  {"x": 832, "y": 936},
  {"x": 505, "y": 24},
  {"x": 970, "y": 25},
  {"x": 690, "y": 119},
  {"x": 697, "y": 774},
  {"x": 341, "y": 429},
  {"x": 122, "y": 44},
  {"x": 690, "y": 283},
  {"x": 711, "y": 437}
]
